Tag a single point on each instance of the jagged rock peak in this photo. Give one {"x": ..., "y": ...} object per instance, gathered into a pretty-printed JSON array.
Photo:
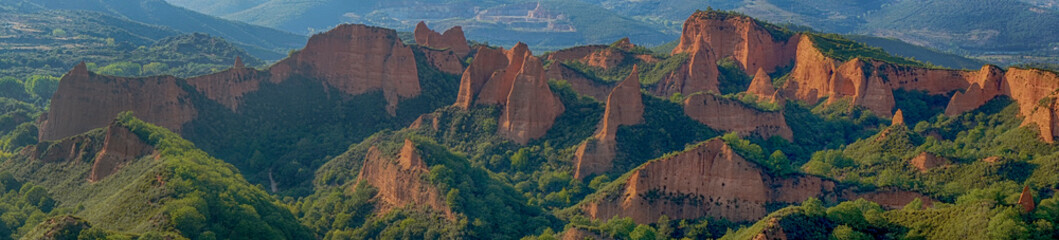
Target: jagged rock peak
[
  {"x": 899, "y": 118},
  {"x": 761, "y": 86},
  {"x": 80, "y": 69},
  {"x": 485, "y": 64},
  {"x": 531, "y": 107},
  {"x": 1026, "y": 200},
  {"x": 238, "y": 63},
  {"x": 452, "y": 39},
  {"x": 624, "y": 108},
  {"x": 120, "y": 147}
]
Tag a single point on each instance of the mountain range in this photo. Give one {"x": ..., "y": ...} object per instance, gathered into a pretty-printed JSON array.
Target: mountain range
[
  {"x": 743, "y": 130},
  {"x": 959, "y": 26}
]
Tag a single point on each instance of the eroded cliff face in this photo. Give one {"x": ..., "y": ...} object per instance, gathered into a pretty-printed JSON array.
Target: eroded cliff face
[
  {"x": 624, "y": 108},
  {"x": 698, "y": 74},
  {"x": 514, "y": 79},
  {"x": 228, "y": 87},
  {"x": 708, "y": 180},
  {"x": 1036, "y": 92},
  {"x": 453, "y": 39},
  {"x": 732, "y": 115},
  {"x": 870, "y": 83},
  {"x": 531, "y": 107},
  {"x": 356, "y": 59},
  {"x": 353, "y": 59},
  {"x": 120, "y": 147},
  {"x": 712, "y": 180},
  {"x": 926, "y": 161},
  {"x": 85, "y": 101},
  {"x": 761, "y": 86},
  {"x": 739, "y": 37},
  {"x": 399, "y": 180}
]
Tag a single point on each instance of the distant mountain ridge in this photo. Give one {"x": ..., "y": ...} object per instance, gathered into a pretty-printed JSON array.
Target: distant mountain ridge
[{"x": 261, "y": 41}]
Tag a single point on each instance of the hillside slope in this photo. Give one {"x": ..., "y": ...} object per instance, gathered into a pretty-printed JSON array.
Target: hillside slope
[{"x": 264, "y": 42}]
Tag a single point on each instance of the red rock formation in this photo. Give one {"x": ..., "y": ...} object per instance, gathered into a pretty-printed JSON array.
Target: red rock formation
[
  {"x": 531, "y": 107},
  {"x": 711, "y": 180},
  {"x": 738, "y": 37},
  {"x": 926, "y": 161},
  {"x": 624, "y": 108},
  {"x": 708, "y": 180},
  {"x": 487, "y": 62},
  {"x": 761, "y": 86},
  {"x": 1026, "y": 200},
  {"x": 356, "y": 59},
  {"x": 85, "y": 101},
  {"x": 516, "y": 80},
  {"x": 400, "y": 181},
  {"x": 453, "y": 39},
  {"x": 899, "y": 118},
  {"x": 229, "y": 87},
  {"x": 698, "y": 74},
  {"x": 732, "y": 115},
  {"x": 120, "y": 147}
]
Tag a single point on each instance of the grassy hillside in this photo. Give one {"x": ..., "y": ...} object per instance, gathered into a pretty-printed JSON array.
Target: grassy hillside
[
  {"x": 263, "y": 42},
  {"x": 924, "y": 54},
  {"x": 181, "y": 191},
  {"x": 1003, "y": 25},
  {"x": 51, "y": 42}
]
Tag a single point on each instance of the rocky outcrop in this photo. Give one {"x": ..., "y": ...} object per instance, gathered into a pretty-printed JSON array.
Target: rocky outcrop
[
  {"x": 739, "y": 37},
  {"x": 120, "y": 147},
  {"x": 485, "y": 64},
  {"x": 228, "y": 87},
  {"x": 761, "y": 86},
  {"x": 624, "y": 108},
  {"x": 85, "y": 101},
  {"x": 926, "y": 161},
  {"x": 732, "y": 115},
  {"x": 353, "y": 59},
  {"x": 514, "y": 79},
  {"x": 399, "y": 180},
  {"x": 453, "y": 39},
  {"x": 1026, "y": 200},
  {"x": 356, "y": 59},
  {"x": 699, "y": 73},
  {"x": 710, "y": 179},
  {"x": 531, "y": 107},
  {"x": 898, "y": 119}
]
